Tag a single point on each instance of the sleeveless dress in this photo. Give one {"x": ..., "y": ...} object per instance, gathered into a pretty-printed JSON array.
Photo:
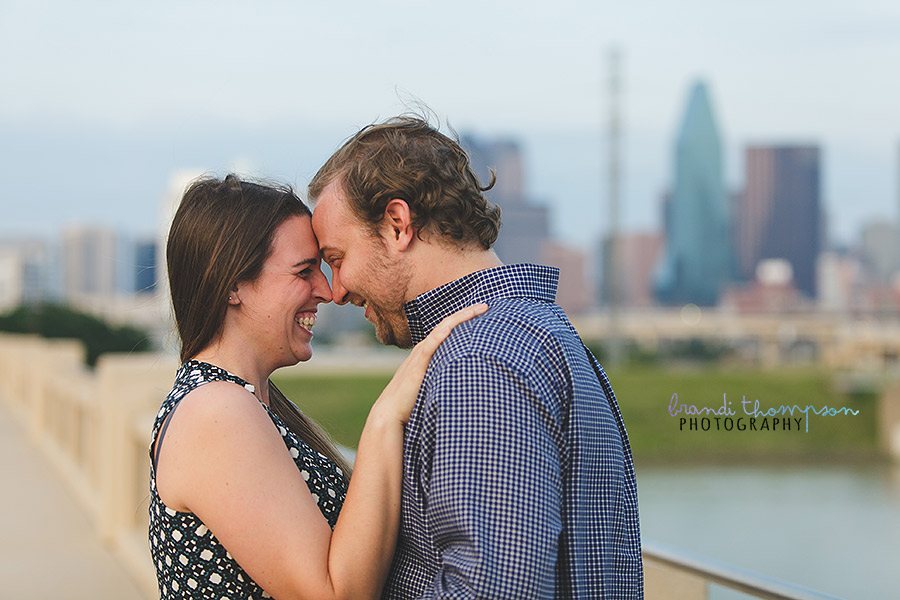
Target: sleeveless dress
[{"x": 190, "y": 561}]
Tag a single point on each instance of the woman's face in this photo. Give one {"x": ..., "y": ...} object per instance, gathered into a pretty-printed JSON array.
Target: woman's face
[{"x": 277, "y": 310}]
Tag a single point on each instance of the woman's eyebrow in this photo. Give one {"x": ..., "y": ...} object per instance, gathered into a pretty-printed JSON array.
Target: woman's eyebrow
[{"x": 306, "y": 262}]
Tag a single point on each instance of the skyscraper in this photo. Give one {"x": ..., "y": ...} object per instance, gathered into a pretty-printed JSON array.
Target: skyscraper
[
  {"x": 145, "y": 266},
  {"x": 639, "y": 252},
  {"x": 526, "y": 226},
  {"x": 89, "y": 262},
  {"x": 779, "y": 214},
  {"x": 28, "y": 272},
  {"x": 573, "y": 294},
  {"x": 697, "y": 261}
]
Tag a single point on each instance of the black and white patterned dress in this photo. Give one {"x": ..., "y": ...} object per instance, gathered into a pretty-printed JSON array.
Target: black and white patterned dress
[{"x": 190, "y": 561}]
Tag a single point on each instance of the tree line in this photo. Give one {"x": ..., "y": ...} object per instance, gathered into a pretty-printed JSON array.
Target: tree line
[{"x": 59, "y": 321}]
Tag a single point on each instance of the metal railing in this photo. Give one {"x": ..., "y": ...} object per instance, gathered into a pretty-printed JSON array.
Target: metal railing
[{"x": 707, "y": 571}]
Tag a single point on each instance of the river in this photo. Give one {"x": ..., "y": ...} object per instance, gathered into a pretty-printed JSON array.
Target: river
[{"x": 835, "y": 529}]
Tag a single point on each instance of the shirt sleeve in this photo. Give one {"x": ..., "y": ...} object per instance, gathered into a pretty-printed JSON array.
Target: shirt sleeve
[{"x": 494, "y": 491}]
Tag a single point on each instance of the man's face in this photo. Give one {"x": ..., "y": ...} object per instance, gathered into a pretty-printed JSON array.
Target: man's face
[{"x": 364, "y": 272}]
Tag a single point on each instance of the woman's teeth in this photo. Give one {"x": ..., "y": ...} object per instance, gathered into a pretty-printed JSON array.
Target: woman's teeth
[{"x": 306, "y": 322}]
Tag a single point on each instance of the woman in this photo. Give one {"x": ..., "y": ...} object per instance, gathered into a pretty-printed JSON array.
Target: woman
[{"x": 248, "y": 497}]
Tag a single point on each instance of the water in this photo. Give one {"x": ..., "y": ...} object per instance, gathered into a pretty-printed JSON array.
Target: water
[{"x": 835, "y": 529}]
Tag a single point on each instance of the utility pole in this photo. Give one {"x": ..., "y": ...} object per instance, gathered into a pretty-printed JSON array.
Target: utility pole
[{"x": 611, "y": 271}]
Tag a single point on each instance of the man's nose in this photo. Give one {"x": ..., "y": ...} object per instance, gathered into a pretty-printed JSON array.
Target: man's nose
[{"x": 338, "y": 292}]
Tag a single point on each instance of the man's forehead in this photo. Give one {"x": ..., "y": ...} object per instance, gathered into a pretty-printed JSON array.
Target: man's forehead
[
  {"x": 322, "y": 211},
  {"x": 331, "y": 221},
  {"x": 333, "y": 191},
  {"x": 330, "y": 203}
]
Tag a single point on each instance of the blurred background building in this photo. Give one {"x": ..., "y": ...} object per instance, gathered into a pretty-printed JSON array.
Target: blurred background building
[
  {"x": 525, "y": 231},
  {"x": 779, "y": 214},
  {"x": 696, "y": 264},
  {"x": 526, "y": 223}
]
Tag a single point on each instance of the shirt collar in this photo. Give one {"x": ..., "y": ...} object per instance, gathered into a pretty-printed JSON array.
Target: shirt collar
[{"x": 508, "y": 281}]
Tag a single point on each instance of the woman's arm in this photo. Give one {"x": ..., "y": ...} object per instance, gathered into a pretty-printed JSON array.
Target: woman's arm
[
  {"x": 225, "y": 462},
  {"x": 364, "y": 538}
]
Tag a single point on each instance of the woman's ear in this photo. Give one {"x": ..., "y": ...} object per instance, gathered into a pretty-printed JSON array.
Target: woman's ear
[{"x": 397, "y": 224}]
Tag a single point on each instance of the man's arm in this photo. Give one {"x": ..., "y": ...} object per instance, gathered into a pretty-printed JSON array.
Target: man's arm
[{"x": 494, "y": 495}]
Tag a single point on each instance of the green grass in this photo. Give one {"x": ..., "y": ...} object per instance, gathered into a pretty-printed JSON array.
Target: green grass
[
  {"x": 341, "y": 403},
  {"x": 644, "y": 395}
]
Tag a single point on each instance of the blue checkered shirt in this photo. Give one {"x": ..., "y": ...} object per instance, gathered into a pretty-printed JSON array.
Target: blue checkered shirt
[{"x": 518, "y": 477}]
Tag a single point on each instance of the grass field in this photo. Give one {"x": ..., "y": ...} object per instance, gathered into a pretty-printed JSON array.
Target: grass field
[{"x": 341, "y": 403}]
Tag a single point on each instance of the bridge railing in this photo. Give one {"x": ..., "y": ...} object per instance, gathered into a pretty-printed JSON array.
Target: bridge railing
[
  {"x": 94, "y": 426},
  {"x": 674, "y": 573}
]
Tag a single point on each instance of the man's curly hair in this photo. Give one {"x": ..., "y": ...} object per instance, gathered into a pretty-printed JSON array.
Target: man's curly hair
[{"x": 406, "y": 158}]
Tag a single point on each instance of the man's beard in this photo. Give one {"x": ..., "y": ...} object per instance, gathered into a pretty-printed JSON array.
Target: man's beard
[
  {"x": 391, "y": 328},
  {"x": 388, "y": 315}
]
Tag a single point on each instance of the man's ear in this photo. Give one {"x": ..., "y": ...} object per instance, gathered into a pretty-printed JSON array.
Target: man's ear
[{"x": 397, "y": 226}]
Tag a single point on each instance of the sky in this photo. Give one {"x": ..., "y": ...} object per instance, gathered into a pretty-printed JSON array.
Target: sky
[{"x": 101, "y": 102}]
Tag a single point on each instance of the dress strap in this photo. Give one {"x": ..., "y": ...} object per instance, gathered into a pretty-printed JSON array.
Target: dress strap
[
  {"x": 209, "y": 373},
  {"x": 162, "y": 433}
]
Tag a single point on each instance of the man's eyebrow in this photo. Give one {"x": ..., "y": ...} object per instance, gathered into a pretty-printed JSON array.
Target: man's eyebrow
[{"x": 325, "y": 249}]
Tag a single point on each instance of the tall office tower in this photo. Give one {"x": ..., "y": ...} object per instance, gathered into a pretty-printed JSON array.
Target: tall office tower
[
  {"x": 89, "y": 258},
  {"x": 897, "y": 223},
  {"x": 179, "y": 180},
  {"x": 696, "y": 264},
  {"x": 639, "y": 253},
  {"x": 145, "y": 266},
  {"x": 12, "y": 280},
  {"x": 574, "y": 293},
  {"x": 779, "y": 214},
  {"x": 839, "y": 281},
  {"x": 879, "y": 251},
  {"x": 27, "y": 273},
  {"x": 168, "y": 205},
  {"x": 525, "y": 225}
]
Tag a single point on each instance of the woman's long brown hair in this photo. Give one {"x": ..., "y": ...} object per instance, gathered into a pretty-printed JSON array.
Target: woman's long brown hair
[{"x": 221, "y": 235}]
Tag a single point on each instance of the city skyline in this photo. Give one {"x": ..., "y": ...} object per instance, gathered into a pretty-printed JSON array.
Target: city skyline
[{"x": 105, "y": 101}]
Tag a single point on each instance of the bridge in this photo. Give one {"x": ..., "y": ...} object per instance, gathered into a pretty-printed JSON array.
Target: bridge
[
  {"x": 74, "y": 451},
  {"x": 864, "y": 342}
]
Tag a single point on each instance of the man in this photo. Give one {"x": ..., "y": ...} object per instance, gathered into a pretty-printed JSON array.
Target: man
[{"x": 518, "y": 475}]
